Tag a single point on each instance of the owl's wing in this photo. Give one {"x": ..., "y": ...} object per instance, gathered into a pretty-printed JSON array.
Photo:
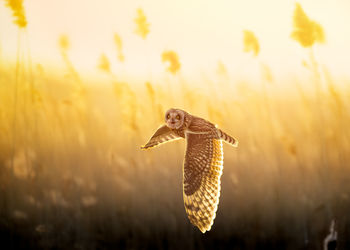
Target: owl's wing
[
  {"x": 163, "y": 134},
  {"x": 202, "y": 171}
]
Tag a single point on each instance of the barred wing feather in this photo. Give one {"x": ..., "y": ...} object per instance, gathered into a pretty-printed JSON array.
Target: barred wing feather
[
  {"x": 202, "y": 172},
  {"x": 163, "y": 134}
]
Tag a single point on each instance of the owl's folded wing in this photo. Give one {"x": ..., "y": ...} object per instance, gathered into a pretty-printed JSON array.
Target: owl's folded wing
[{"x": 163, "y": 134}]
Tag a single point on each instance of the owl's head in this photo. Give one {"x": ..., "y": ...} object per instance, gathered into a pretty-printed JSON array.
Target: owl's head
[{"x": 174, "y": 118}]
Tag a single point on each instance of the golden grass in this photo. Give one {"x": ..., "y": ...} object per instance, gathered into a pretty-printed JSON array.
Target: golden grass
[
  {"x": 251, "y": 43},
  {"x": 18, "y": 12},
  {"x": 173, "y": 61},
  {"x": 88, "y": 163},
  {"x": 104, "y": 64},
  {"x": 63, "y": 43},
  {"x": 142, "y": 25},
  {"x": 73, "y": 174},
  {"x": 118, "y": 42},
  {"x": 306, "y": 31}
]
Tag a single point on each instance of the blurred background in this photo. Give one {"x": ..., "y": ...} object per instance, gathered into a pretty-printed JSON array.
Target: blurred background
[{"x": 83, "y": 84}]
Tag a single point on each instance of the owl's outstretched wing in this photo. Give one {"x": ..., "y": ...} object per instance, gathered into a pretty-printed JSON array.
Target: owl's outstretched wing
[
  {"x": 202, "y": 171},
  {"x": 163, "y": 134}
]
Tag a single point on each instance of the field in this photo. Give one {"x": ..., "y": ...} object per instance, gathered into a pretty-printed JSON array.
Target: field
[{"x": 73, "y": 176}]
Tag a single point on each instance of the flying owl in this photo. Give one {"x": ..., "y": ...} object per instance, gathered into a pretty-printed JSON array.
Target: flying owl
[{"x": 203, "y": 162}]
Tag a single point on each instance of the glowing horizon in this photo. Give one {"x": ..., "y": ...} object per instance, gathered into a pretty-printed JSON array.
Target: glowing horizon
[{"x": 201, "y": 33}]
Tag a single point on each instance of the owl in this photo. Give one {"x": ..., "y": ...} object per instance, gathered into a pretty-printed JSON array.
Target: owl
[{"x": 203, "y": 162}]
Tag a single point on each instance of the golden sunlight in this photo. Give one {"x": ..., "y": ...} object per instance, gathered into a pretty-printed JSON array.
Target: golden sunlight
[{"x": 84, "y": 84}]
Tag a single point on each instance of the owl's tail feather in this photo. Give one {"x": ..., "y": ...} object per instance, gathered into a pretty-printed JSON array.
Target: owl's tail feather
[{"x": 228, "y": 139}]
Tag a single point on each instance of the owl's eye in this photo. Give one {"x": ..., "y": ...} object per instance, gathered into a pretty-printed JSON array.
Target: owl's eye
[
  {"x": 177, "y": 117},
  {"x": 167, "y": 116}
]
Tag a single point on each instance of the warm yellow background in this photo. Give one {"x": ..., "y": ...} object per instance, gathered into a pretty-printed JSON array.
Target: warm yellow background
[
  {"x": 202, "y": 33},
  {"x": 73, "y": 119}
]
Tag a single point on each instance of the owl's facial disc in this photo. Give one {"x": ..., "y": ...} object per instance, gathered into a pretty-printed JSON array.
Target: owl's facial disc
[{"x": 174, "y": 119}]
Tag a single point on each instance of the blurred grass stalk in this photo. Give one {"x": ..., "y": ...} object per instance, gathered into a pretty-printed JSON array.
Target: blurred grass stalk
[
  {"x": 81, "y": 179},
  {"x": 71, "y": 158}
]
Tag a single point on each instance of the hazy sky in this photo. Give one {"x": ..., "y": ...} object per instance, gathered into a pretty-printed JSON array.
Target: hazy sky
[{"x": 201, "y": 32}]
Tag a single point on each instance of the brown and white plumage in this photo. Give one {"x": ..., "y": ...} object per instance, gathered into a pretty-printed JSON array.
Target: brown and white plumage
[
  {"x": 163, "y": 134},
  {"x": 203, "y": 163}
]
